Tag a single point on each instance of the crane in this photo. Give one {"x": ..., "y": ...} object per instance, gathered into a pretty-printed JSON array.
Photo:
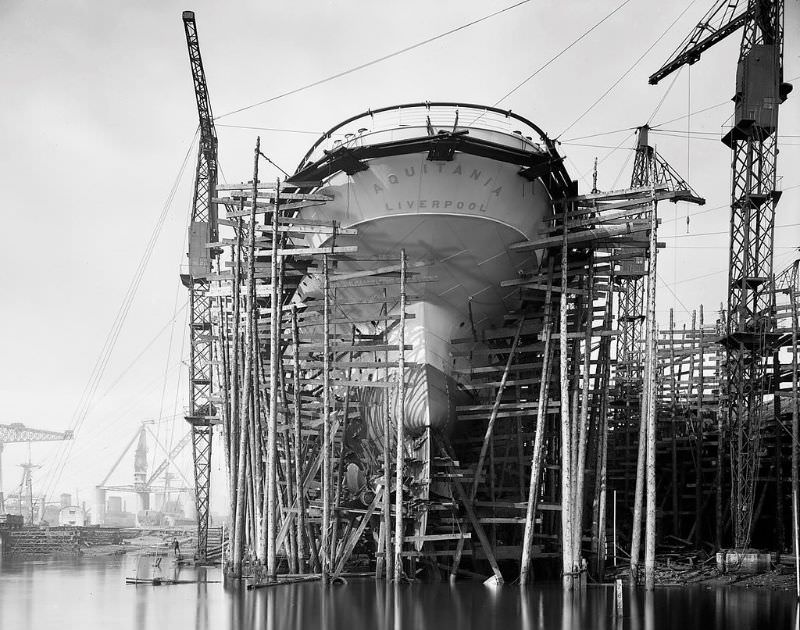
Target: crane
[
  {"x": 751, "y": 330},
  {"x": 203, "y": 229},
  {"x": 143, "y": 483},
  {"x": 18, "y": 432}
]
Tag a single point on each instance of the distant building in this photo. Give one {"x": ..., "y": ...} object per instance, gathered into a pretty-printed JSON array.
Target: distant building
[{"x": 72, "y": 515}]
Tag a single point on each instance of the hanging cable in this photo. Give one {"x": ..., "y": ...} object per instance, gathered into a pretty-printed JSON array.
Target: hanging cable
[
  {"x": 558, "y": 54},
  {"x": 374, "y": 61},
  {"x": 87, "y": 397},
  {"x": 627, "y": 72}
]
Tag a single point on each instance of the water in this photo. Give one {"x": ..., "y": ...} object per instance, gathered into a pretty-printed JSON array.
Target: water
[{"x": 89, "y": 593}]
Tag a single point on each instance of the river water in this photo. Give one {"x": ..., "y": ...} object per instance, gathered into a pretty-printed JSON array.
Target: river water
[{"x": 90, "y": 593}]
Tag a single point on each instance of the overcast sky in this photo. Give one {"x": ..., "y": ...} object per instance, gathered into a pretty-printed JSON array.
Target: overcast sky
[{"x": 98, "y": 114}]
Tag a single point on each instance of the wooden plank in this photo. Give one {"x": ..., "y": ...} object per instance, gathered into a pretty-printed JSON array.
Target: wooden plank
[
  {"x": 297, "y": 205},
  {"x": 337, "y": 383},
  {"x": 382, "y": 282},
  {"x": 438, "y": 537}
]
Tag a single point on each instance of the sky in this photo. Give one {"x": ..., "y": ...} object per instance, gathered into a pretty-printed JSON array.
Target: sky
[{"x": 98, "y": 125}]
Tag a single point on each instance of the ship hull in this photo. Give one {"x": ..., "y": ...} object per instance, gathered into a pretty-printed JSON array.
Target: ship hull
[{"x": 456, "y": 221}]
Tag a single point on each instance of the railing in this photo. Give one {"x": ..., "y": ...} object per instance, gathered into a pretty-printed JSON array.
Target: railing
[{"x": 419, "y": 119}]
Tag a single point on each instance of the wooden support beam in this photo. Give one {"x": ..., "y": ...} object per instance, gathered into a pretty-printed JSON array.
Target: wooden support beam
[{"x": 495, "y": 409}]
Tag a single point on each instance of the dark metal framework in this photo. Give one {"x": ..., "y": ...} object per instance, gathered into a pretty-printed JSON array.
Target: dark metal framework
[
  {"x": 751, "y": 331},
  {"x": 203, "y": 228},
  {"x": 631, "y": 273},
  {"x": 751, "y": 335}
]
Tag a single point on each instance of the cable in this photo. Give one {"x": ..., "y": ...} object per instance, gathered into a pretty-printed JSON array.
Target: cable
[
  {"x": 610, "y": 153},
  {"x": 664, "y": 96},
  {"x": 597, "y": 146},
  {"x": 685, "y": 308},
  {"x": 101, "y": 363},
  {"x": 787, "y": 225},
  {"x": 558, "y": 54},
  {"x": 705, "y": 109},
  {"x": 628, "y": 71},
  {"x": 374, "y": 61},
  {"x": 273, "y": 164},
  {"x": 250, "y": 127}
]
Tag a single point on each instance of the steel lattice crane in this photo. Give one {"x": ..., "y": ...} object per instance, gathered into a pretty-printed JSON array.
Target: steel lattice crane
[
  {"x": 17, "y": 432},
  {"x": 631, "y": 275},
  {"x": 751, "y": 333},
  {"x": 203, "y": 227}
]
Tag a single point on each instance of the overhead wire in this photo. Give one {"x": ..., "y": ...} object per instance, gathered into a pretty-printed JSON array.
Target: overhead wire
[
  {"x": 627, "y": 72},
  {"x": 101, "y": 363},
  {"x": 374, "y": 61},
  {"x": 561, "y": 52}
]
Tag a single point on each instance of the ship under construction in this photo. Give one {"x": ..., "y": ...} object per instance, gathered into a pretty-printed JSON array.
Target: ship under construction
[{"x": 428, "y": 353}]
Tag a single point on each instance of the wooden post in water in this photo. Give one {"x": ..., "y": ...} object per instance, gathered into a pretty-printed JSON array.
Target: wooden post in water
[
  {"x": 580, "y": 465},
  {"x": 233, "y": 454},
  {"x": 241, "y": 488},
  {"x": 401, "y": 418},
  {"x": 652, "y": 338},
  {"x": 538, "y": 439},
  {"x": 638, "y": 501},
  {"x": 793, "y": 290},
  {"x": 300, "y": 521},
  {"x": 325, "y": 546},
  {"x": 720, "y": 433},
  {"x": 601, "y": 465},
  {"x": 566, "y": 433},
  {"x": 274, "y": 365},
  {"x": 388, "y": 551}
]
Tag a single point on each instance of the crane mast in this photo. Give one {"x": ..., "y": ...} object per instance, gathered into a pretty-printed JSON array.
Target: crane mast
[
  {"x": 17, "y": 432},
  {"x": 751, "y": 335},
  {"x": 203, "y": 227}
]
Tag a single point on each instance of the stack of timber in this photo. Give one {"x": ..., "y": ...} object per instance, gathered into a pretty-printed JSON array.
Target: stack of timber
[{"x": 47, "y": 540}]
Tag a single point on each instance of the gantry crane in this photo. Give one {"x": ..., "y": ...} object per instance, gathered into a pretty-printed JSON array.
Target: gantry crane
[
  {"x": 751, "y": 333},
  {"x": 202, "y": 414},
  {"x": 17, "y": 432}
]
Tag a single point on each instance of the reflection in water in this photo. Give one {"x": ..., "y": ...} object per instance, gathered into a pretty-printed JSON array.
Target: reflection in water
[
  {"x": 369, "y": 605},
  {"x": 91, "y": 594}
]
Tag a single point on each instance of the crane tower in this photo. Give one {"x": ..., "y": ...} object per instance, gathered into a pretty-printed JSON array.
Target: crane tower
[
  {"x": 202, "y": 414},
  {"x": 751, "y": 335}
]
